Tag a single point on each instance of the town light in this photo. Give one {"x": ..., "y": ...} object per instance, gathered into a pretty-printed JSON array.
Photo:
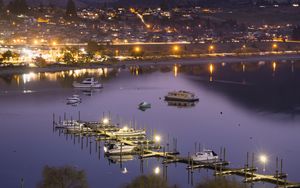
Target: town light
[
  {"x": 148, "y": 26},
  {"x": 137, "y": 49},
  {"x": 275, "y": 46},
  {"x": 211, "y": 47},
  {"x": 176, "y": 48}
]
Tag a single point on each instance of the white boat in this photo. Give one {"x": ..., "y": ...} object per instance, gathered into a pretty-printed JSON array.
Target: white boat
[
  {"x": 181, "y": 96},
  {"x": 144, "y": 105},
  {"x": 127, "y": 132},
  {"x": 77, "y": 126},
  {"x": 205, "y": 156},
  {"x": 73, "y": 99},
  {"x": 118, "y": 148},
  {"x": 87, "y": 83}
]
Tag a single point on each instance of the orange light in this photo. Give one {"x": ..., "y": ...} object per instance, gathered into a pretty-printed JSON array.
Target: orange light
[
  {"x": 274, "y": 46},
  {"x": 176, "y": 48},
  {"x": 137, "y": 49}
]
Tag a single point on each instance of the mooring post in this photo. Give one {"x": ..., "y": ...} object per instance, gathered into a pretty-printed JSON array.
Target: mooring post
[
  {"x": 53, "y": 119},
  {"x": 276, "y": 172},
  {"x": 22, "y": 182},
  {"x": 252, "y": 166}
]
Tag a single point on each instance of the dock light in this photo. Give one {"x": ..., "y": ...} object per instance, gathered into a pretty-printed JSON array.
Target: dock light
[
  {"x": 125, "y": 128},
  {"x": 105, "y": 121},
  {"x": 156, "y": 170},
  {"x": 263, "y": 159},
  {"x": 157, "y": 138}
]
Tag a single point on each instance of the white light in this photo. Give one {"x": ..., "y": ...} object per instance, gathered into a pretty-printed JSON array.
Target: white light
[
  {"x": 105, "y": 149},
  {"x": 105, "y": 121},
  {"x": 125, "y": 128},
  {"x": 263, "y": 158},
  {"x": 157, "y": 138}
]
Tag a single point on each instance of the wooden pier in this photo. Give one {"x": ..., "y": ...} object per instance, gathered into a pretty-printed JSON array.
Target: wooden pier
[{"x": 146, "y": 149}]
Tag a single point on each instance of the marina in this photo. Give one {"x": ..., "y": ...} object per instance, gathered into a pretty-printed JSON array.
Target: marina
[
  {"x": 135, "y": 144},
  {"x": 235, "y": 111}
]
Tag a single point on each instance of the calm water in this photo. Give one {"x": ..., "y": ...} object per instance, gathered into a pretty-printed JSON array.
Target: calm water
[{"x": 252, "y": 107}]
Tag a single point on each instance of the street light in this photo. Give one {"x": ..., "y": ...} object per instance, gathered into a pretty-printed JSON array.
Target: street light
[
  {"x": 137, "y": 49},
  {"x": 211, "y": 48},
  {"x": 176, "y": 48},
  {"x": 105, "y": 121},
  {"x": 157, "y": 138},
  {"x": 263, "y": 159},
  {"x": 274, "y": 46}
]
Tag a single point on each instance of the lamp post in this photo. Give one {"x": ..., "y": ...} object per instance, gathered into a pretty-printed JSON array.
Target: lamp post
[{"x": 263, "y": 159}]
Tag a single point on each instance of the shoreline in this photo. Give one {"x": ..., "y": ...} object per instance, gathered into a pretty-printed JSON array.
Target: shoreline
[{"x": 154, "y": 62}]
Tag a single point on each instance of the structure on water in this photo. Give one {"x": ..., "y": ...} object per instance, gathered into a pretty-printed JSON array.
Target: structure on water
[{"x": 147, "y": 148}]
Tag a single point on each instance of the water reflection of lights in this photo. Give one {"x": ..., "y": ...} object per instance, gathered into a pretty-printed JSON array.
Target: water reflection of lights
[
  {"x": 156, "y": 170},
  {"x": 211, "y": 68},
  {"x": 29, "y": 77},
  {"x": 244, "y": 67},
  {"x": 175, "y": 70},
  {"x": 274, "y": 66}
]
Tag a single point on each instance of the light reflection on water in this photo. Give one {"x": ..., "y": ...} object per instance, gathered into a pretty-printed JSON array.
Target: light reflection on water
[{"x": 260, "y": 113}]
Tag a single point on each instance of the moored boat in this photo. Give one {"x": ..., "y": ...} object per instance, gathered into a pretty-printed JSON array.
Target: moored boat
[
  {"x": 127, "y": 132},
  {"x": 88, "y": 83},
  {"x": 205, "y": 156},
  {"x": 118, "y": 148},
  {"x": 181, "y": 96}
]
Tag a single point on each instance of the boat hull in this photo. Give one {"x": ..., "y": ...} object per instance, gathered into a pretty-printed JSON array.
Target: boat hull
[
  {"x": 180, "y": 99},
  {"x": 79, "y": 85}
]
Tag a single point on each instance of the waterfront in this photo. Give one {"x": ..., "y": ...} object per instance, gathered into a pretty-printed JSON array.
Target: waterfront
[{"x": 259, "y": 104}]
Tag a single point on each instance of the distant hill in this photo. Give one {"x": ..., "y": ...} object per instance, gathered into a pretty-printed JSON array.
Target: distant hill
[{"x": 62, "y": 3}]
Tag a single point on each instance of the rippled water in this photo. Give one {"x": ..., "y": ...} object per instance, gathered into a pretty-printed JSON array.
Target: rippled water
[{"x": 245, "y": 107}]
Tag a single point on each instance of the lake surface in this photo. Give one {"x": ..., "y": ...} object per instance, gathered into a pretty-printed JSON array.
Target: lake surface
[{"x": 244, "y": 107}]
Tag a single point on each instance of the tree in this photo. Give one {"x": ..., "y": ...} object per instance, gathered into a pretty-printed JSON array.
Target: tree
[
  {"x": 7, "y": 55},
  {"x": 63, "y": 177},
  {"x": 220, "y": 183},
  {"x": 147, "y": 182},
  {"x": 71, "y": 9}
]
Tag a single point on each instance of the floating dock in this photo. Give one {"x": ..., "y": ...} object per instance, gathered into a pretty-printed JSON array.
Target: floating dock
[{"x": 148, "y": 149}]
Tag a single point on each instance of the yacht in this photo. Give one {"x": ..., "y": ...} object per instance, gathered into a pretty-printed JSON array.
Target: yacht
[
  {"x": 181, "y": 96},
  {"x": 126, "y": 132},
  {"x": 87, "y": 83},
  {"x": 77, "y": 126},
  {"x": 118, "y": 148},
  {"x": 205, "y": 156}
]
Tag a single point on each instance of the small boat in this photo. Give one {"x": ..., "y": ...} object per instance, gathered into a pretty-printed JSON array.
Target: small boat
[
  {"x": 77, "y": 127},
  {"x": 118, "y": 148},
  {"x": 66, "y": 123},
  {"x": 205, "y": 156},
  {"x": 127, "y": 132},
  {"x": 73, "y": 99},
  {"x": 144, "y": 105},
  {"x": 181, "y": 96},
  {"x": 88, "y": 83}
]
